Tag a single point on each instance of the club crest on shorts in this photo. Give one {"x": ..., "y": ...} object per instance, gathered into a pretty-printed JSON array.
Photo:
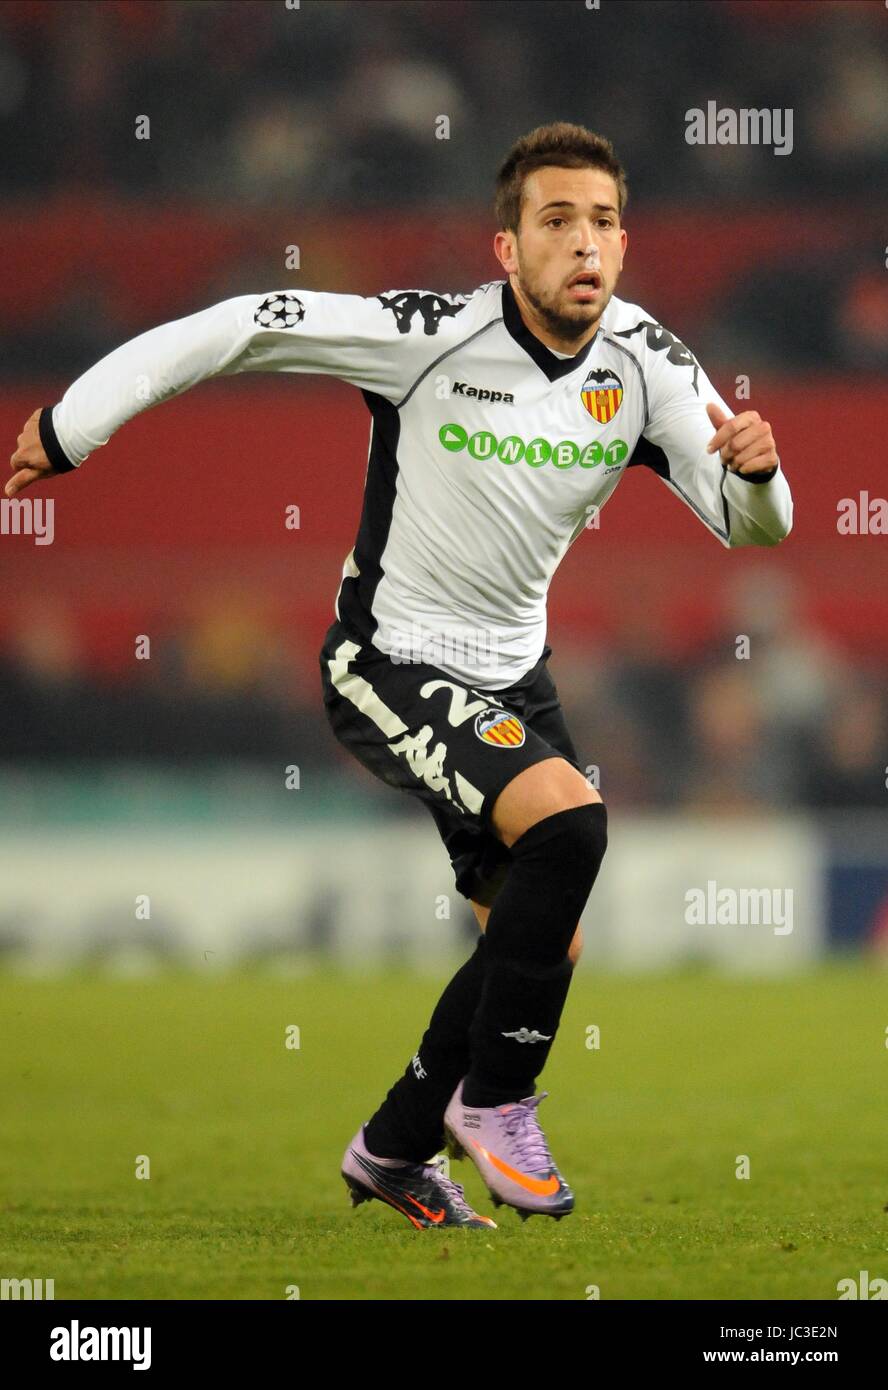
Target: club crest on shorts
[
  {"x": 499, "y": 727},
  {"x": 601, "y": 394}
]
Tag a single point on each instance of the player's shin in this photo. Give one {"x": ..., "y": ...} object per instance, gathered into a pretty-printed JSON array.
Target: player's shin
[
  {"x": 409, "y": 1123},
  {"x": 507, "y": 1057},
  {"x": 529, "y": 931}
]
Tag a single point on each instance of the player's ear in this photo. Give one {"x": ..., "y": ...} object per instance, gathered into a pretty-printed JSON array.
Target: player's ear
[{"x": 504, "y": 250}]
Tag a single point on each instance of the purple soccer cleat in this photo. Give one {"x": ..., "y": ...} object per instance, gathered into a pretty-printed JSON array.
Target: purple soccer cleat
[
  {"x": 419, "y": 1191},
  {"x": 509, "y": 1150}
]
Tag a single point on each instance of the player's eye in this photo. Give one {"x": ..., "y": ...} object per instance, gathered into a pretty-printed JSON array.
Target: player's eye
[{"x": 555, "y": 219}]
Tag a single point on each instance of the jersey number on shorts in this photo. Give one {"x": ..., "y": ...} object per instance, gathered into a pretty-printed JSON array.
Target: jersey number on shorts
[{"x": 459, "y": 711}]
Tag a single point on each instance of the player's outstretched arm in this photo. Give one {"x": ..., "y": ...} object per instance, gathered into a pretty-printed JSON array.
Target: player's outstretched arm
[
  {"x": 744, "y": 444},
  {"x": 360, "y": 340},
  {"x": 731, "y": 478}
]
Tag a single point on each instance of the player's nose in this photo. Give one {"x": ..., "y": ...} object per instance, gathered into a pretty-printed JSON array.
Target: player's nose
[{"x": 588, "y": 247}]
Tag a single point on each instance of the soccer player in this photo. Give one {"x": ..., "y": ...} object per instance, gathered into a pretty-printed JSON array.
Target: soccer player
[{"x": 501, "y": 420}]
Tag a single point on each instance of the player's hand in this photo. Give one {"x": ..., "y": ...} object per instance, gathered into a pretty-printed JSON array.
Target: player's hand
[
  {"x": 29, "y": 462},
  {"x": 744, "y": 441}
]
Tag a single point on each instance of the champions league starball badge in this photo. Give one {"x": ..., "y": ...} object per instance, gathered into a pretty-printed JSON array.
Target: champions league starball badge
[{"x": 280, "y": 311}]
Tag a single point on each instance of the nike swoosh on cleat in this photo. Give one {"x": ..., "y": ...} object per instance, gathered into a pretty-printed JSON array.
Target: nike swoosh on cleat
[
  {"x": 383, "y": 1196},
  {"x": 380, "y": 1190},
  {"x": 403, "y": 1210},
  {"x": 435, "y": 1216},
  {"x": 538, "y": 1186}
]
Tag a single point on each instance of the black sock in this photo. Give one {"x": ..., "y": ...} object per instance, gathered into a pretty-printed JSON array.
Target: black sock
[
  {"x": 409, "y": 1123},
  {"x": 509, "y": 1073},
  {"x": 531, "y": 925}
]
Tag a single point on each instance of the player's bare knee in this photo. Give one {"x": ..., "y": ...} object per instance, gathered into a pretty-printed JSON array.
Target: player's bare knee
[{"x": 540, "y": 791}]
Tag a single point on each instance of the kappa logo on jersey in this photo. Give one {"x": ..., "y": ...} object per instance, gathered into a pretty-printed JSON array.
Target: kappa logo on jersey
[
  {"x": 660, "y": 339},
  {"x": 430, "y": 306},
  {"x": 280, "y": 311},
  {"x": 601, "y": 394},
  {"x": 483, "y": 393},
  {"x": 500, "y": 728}
]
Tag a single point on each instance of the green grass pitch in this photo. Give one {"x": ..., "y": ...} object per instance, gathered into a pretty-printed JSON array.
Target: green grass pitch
[{"x": 245, "y": 1138}]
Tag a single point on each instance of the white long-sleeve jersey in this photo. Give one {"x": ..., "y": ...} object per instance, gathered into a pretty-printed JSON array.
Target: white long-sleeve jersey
[{"x": 489, "y": 454}]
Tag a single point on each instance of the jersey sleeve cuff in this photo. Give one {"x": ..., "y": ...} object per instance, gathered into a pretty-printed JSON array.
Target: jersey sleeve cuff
[
  {"x": 50, "y": 441},
  {"x": 754, "y": 477}
]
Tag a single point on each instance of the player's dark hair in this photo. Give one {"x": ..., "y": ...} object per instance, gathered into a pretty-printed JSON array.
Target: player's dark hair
[{"x": 562, "y": 144}]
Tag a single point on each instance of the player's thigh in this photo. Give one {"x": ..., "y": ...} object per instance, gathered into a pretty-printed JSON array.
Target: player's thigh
[
  {"x": 482, "y": 912},
  {"x": 417, "y": 728},
  {"x": 536, "y": 793}
]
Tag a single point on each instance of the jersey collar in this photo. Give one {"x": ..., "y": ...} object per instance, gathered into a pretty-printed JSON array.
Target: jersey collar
[{"x": 554, "y": 367}]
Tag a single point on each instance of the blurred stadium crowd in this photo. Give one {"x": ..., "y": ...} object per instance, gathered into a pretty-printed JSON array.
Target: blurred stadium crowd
[
  {"x": 255, "y": 104},
  {"x": 801, "y": 725},
  {"x": 259, "y": 107},
  {"x": 334, "y": 102}
]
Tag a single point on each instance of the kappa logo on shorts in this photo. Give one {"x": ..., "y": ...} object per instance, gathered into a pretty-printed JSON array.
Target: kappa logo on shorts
[{"x": 500, "y": 728}]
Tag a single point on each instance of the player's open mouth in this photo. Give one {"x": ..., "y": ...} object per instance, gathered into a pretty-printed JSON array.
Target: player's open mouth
[{"x": 584, "y": 286}]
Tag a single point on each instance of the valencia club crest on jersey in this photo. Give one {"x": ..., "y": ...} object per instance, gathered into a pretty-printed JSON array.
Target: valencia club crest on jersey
[
  {"x": 499, "y": 727},
  {"x": 601, "y": 395}
]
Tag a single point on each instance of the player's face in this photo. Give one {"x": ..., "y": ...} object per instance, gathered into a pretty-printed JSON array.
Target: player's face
[{"x": 569, "y": 227}]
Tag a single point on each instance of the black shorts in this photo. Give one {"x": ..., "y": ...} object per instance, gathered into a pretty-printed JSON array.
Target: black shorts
[{"x": 417, "y": 728}]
